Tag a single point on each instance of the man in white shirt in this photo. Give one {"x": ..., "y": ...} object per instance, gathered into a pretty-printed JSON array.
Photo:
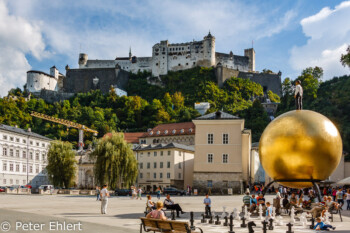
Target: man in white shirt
[
  {"x": 104, "y": 199},
  {"x": 298, "y": 95}
]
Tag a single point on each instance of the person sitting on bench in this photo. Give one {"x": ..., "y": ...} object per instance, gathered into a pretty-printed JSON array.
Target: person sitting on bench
[
  {"x": 294, "y": 203},
  {"x": 207, "y": 203},
  {"x": 157, "y": 213},
  {"x": 169, "y": 204},
  {"x": 150, "y": 203}
]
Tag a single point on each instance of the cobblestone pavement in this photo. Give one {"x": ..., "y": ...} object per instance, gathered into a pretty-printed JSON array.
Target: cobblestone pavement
[{"x": 123, "y": 213}]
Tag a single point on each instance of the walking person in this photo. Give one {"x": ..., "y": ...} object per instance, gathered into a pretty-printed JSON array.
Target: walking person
[
  {"x": 133, "y": 192},
  {"x": 298, "y": 95},
  {"x": 158, "y": 193},
  {"x": 98, "y": 193},
  {"x": 139, "y": 194},
  {"x": 348, "y": 199},
  {"x": 104, "y": 199},
  {"x": 340, "y": 197}
]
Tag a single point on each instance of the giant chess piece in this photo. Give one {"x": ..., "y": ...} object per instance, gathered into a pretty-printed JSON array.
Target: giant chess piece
[
  {"x": 203, "y": 220},
  {"x": 217, "y": 222},
  {"x": 279, "y": 221},
  {"x": 264, "y": 223},
  {"x": 243, "y": 222},
  {"x": 231, "y": 225},
  {"x": 303, "y": 219},
  {"x": 292, "y": 215},
  {"x": 271, "y": 224},
  {"x": 289, "y": 225},
  {"x": 327, "y": 215},
  {"x": 250, "y": 226},
  {"x": 211, "y": 218},
  {"x": 260, "y": 212},
  {"x": 226, "y": 221},
  {"x": 273, "y": 215},
  {"x": 192, "y": 221},
  {"x": 312, "y": 226}
]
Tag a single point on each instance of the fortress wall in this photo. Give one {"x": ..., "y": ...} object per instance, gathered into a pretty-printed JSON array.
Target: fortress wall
[{"x": 36, "y": 81}]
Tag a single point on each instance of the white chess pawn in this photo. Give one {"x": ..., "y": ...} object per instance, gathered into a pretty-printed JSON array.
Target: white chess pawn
[
  {"x": 260, "y": 212},
  {"x": 292, "y": 215},
  {"x": 245, "y": 211},
  {"x": 326, "y": 217},
  {"x": 273, "y": 215}
]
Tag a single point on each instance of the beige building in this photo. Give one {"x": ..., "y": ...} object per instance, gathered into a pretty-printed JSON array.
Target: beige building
[
  {"x": 165, "y": 165},
  {"x": 222, "y": 153},
  {"x": 182, "y": 133}
]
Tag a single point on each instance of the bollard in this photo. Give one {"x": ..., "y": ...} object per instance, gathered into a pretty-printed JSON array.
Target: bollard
[
  {"x": 192, "y": 227},
  {"x": 211, "y": 219},
  {"x": 243, "y": 222},
  {"x": 231, "y": 225},
  {"x": 203, "y": 220},
  {"x": 264, "y": 223},
  {"x": 271, "y": 224},
  {"x": 312, "y": 223},
  {"x": 250, "y": 227},
  {"x": 226, "y": 221},
  {"x": 217, "y": 222},
  {"x": 289, "y": 225}
]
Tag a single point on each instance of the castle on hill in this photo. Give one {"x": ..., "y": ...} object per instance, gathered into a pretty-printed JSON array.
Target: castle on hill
[{"x": 104, "y": 74}]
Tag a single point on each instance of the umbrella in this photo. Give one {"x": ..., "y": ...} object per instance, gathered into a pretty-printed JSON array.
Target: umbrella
[{"x": 345, "y": 181}]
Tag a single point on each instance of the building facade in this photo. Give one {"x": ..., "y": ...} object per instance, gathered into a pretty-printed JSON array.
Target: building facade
[
  {"x": 23, "y": 158},
  {"x": 222, "y": 153},
  {"x": 182, "y": 133},
  {"x": 164, "y": 165}
]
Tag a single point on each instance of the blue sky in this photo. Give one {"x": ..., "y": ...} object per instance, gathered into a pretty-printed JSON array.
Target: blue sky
[{"x": 288, "y": 35}]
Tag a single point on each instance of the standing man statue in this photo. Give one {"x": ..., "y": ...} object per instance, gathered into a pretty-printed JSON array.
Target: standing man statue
[{"x": 298, "y": 95}]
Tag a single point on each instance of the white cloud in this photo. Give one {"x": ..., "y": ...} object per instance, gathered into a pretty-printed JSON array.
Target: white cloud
[
  {"x": 17, "y": 38},
  {"x": 329, "y": 34}
]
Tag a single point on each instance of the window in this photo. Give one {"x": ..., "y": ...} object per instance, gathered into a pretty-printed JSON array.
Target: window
[
  {"x": 4, "y": 137},
  {"x": 11, "y": 167},
  {"x": 148, "y": 154},
  {"x": 179, "y": 165},
  {"x": 168, "y": 165},
  {"x": 4, "y": 151},
  {"x": 17, "y": 139},
  {"x": 11, "y": 139},
  {"x": 179, "y": 175},
  {"x": 30, "y": 155},
  {"x": 17, "y": 167},
  {"x": 37, "y": 144},
  {"x": 148, "y": 175},
  {"x": 161, "y": 165},
  {"x": 24, "y": 168},
  {"x": 31, "y": 142},
  {"x": 168, "y": 175},
  {"x": 4, "y": 181},
  {"x": 154, "y": 175},
  {"x": 161, "y": 153},
  {"x": 17, "y": 153},
  {"x": 24, "y": 154},
  {"x": 24, "y": 141},
  {"x": 43, "y": 144},
  {"x": 31, "y": 168},
  {"x": 169, "y": 152},
  {"x": 37, "y": 168},
  {"x": 11, "y": 152},
  {"x": 4, "y": 166},
  {"x": 209, "y": 183},
  {"x": 210, "y": 138},
  {"x": 141, "y": 165},
  {"x": 141, "y": 175},
  {"x": 43, "y": 156},
  {"x": 224, "y": 158},
  {"x": 161, "y": 175},
  {"x": 210, "y": 158},
  {"x": 148, "y": 165},
  {"x": 225, "y": 138},
  {"x": 155, "y": 153},
  {"x": 37, "y": 156}
]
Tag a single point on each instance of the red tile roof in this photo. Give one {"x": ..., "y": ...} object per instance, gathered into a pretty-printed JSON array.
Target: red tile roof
[{"x": 172, "y": 129}]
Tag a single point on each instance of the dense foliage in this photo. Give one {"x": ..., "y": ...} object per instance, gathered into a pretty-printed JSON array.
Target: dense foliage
[
  {"x": 146, "y": 106},
  {"x": 115, "y": 164},
  {"x": 61, "y": 167}
]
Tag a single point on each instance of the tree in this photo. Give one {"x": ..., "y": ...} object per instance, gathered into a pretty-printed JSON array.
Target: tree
[
  {"x": 311, "y": 79},
  {"x": 345, "y": 58},
  {"x": 115, "y": 163},
  {"x": 273, "y": 97},
  {"x": 61, "y": 164}
]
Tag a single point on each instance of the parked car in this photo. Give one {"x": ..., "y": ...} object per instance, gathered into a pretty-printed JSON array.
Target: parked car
[
  {"x": 2, "y": 189},
  {"x": 122, "y": 192},
  {"x": 174, "y": 191},
  {"x": 46, "y": 187}
]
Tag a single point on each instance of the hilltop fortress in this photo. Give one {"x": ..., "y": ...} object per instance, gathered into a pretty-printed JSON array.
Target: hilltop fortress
[{"x": 104, "y": 74}]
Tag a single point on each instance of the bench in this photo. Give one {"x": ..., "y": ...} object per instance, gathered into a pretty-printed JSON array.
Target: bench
[
  {"x": 157, "y": 225},
  {"x": 336, "y": 211}
]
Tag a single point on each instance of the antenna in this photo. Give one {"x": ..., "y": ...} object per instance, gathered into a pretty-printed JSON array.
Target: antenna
[{"x": 253, "y": 44}]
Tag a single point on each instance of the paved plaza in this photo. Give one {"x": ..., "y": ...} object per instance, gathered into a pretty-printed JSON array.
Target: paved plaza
[{"x": 83, "y": 213}]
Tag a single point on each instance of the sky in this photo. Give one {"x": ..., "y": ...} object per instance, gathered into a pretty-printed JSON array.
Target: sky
[{"x": 287, "y": 36}]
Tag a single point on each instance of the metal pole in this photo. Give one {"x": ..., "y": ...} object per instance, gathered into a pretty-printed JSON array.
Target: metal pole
[{"x": 27, "y": 155}]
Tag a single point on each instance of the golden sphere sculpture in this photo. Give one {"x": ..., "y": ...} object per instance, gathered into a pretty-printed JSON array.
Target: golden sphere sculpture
[{"x": 300, "y": 145}]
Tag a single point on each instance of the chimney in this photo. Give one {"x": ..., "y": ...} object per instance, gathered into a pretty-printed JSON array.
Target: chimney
[{"x": 218, "y": 115}]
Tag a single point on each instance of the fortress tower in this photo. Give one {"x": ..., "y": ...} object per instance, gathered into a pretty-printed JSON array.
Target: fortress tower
[
  {"x": 83, "y": 58},
  {"x": 250, "y": 53},
  {"x": 209, "y": 49}
]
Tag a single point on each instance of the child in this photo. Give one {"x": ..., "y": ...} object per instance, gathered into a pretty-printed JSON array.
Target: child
[
  {"x": 207, "y": 203},
  {"x": 320, "y": 226},
  {"x": 268, "y": 211}
]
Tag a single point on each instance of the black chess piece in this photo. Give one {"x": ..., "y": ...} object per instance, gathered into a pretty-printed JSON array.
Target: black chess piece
[
  {"x": 231, "y": 225},
  {"x": 271, "y": 224},
  {"x": 264, "y": 223},
  {"x": 250, "y": 227},
  {"x": 203, "y": 220},
  {"x": 226, "y": 221},
  {"x": 217, "y": 222},
  {"x": 211, "y": 219},
  {"x": 243, "y": 222},
  {"x": 289, "y": 225},
  {"x": 192, "y": 221},
  {"x": 312, "y": 226}
]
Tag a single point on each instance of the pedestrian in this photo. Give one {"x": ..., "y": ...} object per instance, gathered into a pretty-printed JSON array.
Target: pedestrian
[
  {"x": 348, "y": 199},
  {"x": 158, "y": 193},
  {"x": 278, "y": 201},
  {"x": 207, "y": 203},
  {"x": 97, "y": 193},
  {"x": 133, "y": 192},
  {"x": 268, "y": 211},
  {"x": 139, "y": 194},
  {"x": 104, "y": 199},
  {"x": 334, "y": 194},
  {"x": 298, "y": 95},
  {"x": 340, "y": 197}
]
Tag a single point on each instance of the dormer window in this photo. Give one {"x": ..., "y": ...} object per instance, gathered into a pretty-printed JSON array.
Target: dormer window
[
  {"x": 190, "y": 130},
  {"x": 174, "y": 131},
  {"x": 182, "y": 131},
  {"x": 166, "y": 131},
  {"x": 151, "y": 133},
  {"x": 158, "y": 132}
]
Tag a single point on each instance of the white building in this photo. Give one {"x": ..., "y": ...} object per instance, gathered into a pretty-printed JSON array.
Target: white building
[{"x": 23, "y": 157}]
